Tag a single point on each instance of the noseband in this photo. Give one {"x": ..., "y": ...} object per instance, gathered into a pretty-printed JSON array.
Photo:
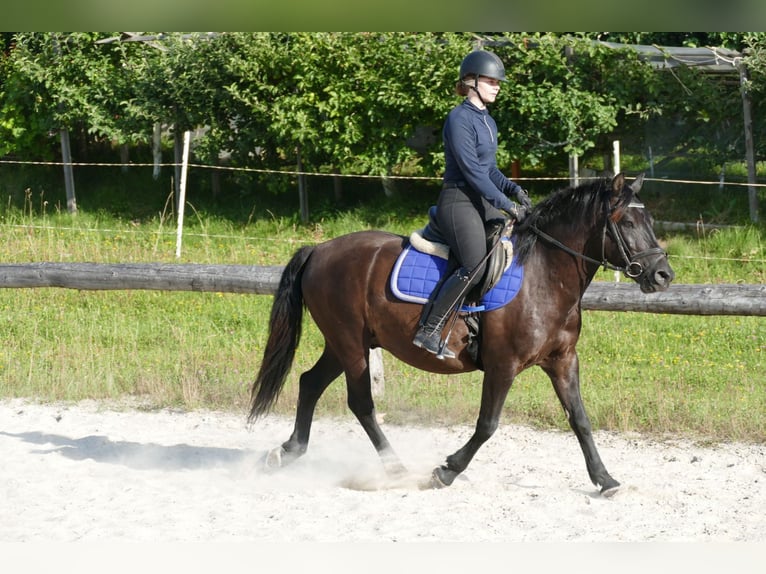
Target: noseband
[{"x": 632, "y": 268}]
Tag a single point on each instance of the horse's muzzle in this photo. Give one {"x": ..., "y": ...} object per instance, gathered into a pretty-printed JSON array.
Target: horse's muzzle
[{"x": 657, "y": 277}]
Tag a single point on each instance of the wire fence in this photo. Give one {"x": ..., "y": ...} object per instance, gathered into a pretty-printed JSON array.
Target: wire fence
[
  {"x": 524, "y": 180},
  {"x": 718, "y": 182}
]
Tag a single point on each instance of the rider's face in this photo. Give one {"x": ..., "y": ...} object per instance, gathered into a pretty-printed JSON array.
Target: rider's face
[{"x": 488, "y": 88}]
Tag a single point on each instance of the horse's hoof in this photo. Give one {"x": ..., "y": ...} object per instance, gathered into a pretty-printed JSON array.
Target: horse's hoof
[
  {"x": 433, "y": 482},
  {"x": 396, "y": 470},
  {"x": 610, "y": 492},
  {"x": 441, "y": 477},
  {"x": 273, "y": 460}
]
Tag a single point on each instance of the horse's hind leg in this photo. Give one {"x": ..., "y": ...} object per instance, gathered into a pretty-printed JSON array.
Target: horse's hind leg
[
  {"x": 360, "y": 402},
  {"x": 311, "y": 386}
]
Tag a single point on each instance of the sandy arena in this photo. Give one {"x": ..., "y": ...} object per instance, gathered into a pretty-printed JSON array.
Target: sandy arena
[{"x": 85, "y": 472}]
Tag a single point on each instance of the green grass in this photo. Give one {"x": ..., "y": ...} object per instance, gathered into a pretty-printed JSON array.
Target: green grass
[{"x": 701, "y": 376}]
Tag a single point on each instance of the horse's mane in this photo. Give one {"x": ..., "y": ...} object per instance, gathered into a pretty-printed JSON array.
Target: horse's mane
[{"x": 579, "y": 203}]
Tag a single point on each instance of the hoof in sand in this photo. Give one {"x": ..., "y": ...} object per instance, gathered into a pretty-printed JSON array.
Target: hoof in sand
[
  {"x": 273, "y": 458},
  {"x": 610, "y": 492},
  {"x": 433, "y": 482},
  {"x": 396, "y": 471}
]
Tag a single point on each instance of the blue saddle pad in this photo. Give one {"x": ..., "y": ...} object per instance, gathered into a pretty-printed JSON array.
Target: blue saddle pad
[{"x": 415, "y": 275}]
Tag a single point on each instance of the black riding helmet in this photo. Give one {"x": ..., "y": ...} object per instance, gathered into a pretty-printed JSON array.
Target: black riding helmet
[{"x": 482, "y": 63}]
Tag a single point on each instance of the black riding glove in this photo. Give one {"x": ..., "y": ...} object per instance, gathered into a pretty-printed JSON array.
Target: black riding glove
[
  {"x": 522, "y": 198},
  {"x": 519, "y": 212}
]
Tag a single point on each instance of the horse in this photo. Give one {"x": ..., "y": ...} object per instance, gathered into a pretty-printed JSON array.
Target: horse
[{"x": 343, "y": 283}]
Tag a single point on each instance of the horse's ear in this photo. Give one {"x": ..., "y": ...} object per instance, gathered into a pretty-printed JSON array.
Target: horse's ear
[
  {"x": 620, "y": 196},
  {"x": 637, "y": 183},
  {"x": 618, "y": 182}
]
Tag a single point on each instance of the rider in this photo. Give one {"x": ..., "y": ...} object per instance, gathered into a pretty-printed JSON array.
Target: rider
[{"x": 474, "y": 191}]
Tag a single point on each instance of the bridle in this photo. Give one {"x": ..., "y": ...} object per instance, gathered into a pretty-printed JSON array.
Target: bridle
[{"x": 632, "y": 268}]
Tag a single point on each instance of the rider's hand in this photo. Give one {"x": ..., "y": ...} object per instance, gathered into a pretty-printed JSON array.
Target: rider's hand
[
  {"x": 519, "y": 212},
  {"x": 522, "y": 197}
]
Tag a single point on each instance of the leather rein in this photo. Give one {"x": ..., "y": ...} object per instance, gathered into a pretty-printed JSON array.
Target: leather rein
[{"x": 632, "y": 267}]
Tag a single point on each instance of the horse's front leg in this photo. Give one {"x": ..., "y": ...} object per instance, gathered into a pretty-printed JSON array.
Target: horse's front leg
[
  {"x": 494, "y": 391},
  {"x": 564, "y": 373}
]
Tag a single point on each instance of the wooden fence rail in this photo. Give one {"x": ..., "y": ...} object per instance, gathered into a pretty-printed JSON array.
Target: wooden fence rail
[
  {"x": 600, "y": 296},
  {"x": 683, "y": 299}
]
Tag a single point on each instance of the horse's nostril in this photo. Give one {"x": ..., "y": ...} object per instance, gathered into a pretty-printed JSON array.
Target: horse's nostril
[{"x": 664, "y": 277}]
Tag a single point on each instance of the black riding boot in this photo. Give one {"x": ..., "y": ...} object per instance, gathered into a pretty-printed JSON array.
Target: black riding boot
[{"x": 429, "y": 335}]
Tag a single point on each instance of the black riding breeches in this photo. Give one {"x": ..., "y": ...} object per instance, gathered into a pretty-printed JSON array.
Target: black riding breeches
[{"x": 461, "y": 221}]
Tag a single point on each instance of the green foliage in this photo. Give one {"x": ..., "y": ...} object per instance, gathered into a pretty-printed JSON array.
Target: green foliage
[
  {"x": 548, "y": 105},
  {"x": 72, "y": 82},
  {"x": 355, "y": 103},
  {"x": 347, "y": 101}
]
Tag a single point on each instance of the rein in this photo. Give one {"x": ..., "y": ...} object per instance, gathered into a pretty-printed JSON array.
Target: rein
[{"x": 632, "y": 267}]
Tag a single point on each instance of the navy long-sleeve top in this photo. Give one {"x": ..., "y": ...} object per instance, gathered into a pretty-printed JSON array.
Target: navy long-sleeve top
[{"x": 470, "y": 146}]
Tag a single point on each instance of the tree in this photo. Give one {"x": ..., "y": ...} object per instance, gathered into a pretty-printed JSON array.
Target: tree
[{"x": 351, "y": 102}]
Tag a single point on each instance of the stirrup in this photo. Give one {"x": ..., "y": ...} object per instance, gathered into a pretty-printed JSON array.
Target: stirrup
[
  {"x": 433, "y": 344},
  {"x": 445, "y": 351}
]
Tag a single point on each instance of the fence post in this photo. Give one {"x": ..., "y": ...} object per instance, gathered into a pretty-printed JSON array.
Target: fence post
[
  {"x": 377, "y": 377},
  {"x": 574, "y": 170},
  {"x": 182, "y": 193},
  {"x": 66, "y": 155},
  {"x": 749, "y": 146},
  {"x": 303, "y": 197}
]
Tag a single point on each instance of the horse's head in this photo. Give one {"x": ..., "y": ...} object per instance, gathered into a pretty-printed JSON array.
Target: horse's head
[{"x": 629, "y": 241}]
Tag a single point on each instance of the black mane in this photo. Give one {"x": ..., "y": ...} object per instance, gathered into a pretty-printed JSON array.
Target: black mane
[{"x": 579, "y": 203}]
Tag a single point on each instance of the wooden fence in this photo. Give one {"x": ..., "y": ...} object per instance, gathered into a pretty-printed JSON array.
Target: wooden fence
[
  {"x": 683, "y": 299},
  {"x": 600, "y": 296}
]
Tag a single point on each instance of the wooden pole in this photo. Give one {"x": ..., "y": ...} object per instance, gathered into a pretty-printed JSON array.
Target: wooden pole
[
  {"x": 177, "y": 160},
  {"x": 245, "y": 279},
  {"x": 157, "y": 150},
  {"x": 749, "y": 147},
  {"x": 302, "y": 195},
  {"x": 377, "y": 375},
  {"x": 574, "y": 170},
  {"x": 680, "y": 299},
  {"x": 66, "y": 151},
  {"x": 124, "y": 157},
  {"x": 66, "y": 156},
  {"x": 182, "y": 193}
]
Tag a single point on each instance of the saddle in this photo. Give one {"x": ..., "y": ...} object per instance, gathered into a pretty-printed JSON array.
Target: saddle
[
  {"x": 426, "y": 262},
  {"x": 431, "y": 241}
]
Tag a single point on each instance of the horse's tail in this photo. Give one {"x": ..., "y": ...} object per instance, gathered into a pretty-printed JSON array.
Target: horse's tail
[{"x": 284, "y": 336}]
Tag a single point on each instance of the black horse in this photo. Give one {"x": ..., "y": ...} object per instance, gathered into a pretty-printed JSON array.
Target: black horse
[{"x": 344, "y": 284}]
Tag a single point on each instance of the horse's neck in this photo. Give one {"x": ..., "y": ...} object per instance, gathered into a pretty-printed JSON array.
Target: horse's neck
[{"x": 565, "y": 269}]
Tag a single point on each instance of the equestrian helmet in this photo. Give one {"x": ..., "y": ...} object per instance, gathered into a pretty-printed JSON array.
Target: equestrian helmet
[{"x": 482, "y": 63}]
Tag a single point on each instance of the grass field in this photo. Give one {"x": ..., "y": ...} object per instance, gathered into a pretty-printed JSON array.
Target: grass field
[{"x": 702, "y": 376}]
